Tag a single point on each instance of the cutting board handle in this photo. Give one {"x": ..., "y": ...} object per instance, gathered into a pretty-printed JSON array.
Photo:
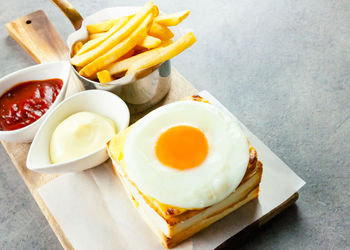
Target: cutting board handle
[
  {"x": 38, "y": 37},
  {"x": 73, "y": 15}
]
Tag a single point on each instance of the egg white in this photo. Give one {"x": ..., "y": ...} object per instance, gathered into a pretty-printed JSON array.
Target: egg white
[{"x": 210, "y": 182}]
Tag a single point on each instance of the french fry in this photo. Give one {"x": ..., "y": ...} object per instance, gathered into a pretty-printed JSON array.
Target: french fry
[
  {"x": 90, "y": 45},
  {"x": 96, "y": 35},
  {"x": 104, "y": 76},
  {"x": 76, "y": 47},
  {"x": 162, "y": 54},
  {"x": 109, "y": 25},
  {"x": 127, "y": 55},
  {"x": 123, "y": 65},
  {"x": 119, "y": 50},
  {"x": 172, "y": 19},
  {"x": 124, "y": 57},
  {"x": 78, "y": 68},
  {"x": 128, "y": 44},
  {"x": 160, "y": 31},
  {"x": 150, "y": 42},
  {"x": 166, "y": 43},
  {"x": 120, "y": 35},
  {"x": 155, "y": 10},
  {"x": 102, "y": 26}
]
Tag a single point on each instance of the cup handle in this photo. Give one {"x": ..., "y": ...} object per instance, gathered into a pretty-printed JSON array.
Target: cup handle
[{"x": 73, "y": 15}]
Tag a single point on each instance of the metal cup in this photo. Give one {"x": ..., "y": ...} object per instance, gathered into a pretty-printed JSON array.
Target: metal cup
[{"x": 141, "y": 90}]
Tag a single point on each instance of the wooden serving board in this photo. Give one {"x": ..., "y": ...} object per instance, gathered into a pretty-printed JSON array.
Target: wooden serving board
[{"x": 38, "y": 37}]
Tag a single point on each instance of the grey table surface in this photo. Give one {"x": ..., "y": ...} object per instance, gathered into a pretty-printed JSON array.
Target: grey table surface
[{"x": 281, "y": 66}]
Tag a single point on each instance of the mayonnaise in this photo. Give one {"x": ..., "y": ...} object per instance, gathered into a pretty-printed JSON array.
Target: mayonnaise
[{"x": 80, "y": 134}]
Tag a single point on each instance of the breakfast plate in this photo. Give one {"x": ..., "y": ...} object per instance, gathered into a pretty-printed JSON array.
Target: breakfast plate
[{"x": 76, "y": 226}]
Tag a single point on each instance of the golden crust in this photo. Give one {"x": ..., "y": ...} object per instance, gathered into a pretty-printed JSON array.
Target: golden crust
[
  {"x": 177, "y": 236},
  {"x": 185, "y": 234}
]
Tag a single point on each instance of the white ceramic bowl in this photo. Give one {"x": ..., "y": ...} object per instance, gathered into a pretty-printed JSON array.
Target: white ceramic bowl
[
  {"x": 96, "y": 101},
  {"x": 60, "y": 69}
]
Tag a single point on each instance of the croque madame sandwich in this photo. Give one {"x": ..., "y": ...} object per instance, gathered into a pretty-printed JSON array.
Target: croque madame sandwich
[{"x": 185, "y": 165}]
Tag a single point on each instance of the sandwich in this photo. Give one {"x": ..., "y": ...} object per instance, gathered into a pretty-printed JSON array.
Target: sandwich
[{"x": 185, "y": 166}]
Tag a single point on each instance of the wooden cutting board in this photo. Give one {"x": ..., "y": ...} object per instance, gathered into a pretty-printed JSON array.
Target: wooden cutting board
[{"x": 38, "y": 37}]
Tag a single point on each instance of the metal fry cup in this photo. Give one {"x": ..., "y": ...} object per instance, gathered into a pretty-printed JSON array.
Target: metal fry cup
[{"x": 140, "y": 90}]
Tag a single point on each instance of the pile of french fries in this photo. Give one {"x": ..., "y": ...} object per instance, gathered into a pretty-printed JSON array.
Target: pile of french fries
[{"x": 130, "y": 43}]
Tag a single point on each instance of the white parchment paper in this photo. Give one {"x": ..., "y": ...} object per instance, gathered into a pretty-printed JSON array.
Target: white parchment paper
[{"x": 94, "y": 211}]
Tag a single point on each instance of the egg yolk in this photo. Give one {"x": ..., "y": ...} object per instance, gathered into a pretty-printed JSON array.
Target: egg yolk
[{"x": 182, "y": 147}]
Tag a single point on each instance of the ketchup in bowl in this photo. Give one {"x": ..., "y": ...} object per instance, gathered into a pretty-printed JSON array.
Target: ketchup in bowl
[{"x": 26, "y": 102}]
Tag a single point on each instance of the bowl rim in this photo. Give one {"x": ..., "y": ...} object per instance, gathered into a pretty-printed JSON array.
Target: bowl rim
[
  {"x": 76, "y": 160},
  {"x": 125, "y": 80},
  {"x": 24, "y": 71}
]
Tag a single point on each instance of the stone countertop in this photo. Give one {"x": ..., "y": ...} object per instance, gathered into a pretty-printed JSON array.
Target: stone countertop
[{"x": 282, "y": 67}]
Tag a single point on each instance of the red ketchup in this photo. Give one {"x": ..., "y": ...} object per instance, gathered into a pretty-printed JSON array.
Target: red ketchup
[{"x": 26, "y": 102}]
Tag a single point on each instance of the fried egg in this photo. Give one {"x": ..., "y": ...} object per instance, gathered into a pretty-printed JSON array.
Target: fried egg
[{"x": 186, "y": 154}]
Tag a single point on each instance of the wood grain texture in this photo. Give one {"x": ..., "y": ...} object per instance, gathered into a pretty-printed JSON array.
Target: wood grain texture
[{"x": 37, "y": 36}]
